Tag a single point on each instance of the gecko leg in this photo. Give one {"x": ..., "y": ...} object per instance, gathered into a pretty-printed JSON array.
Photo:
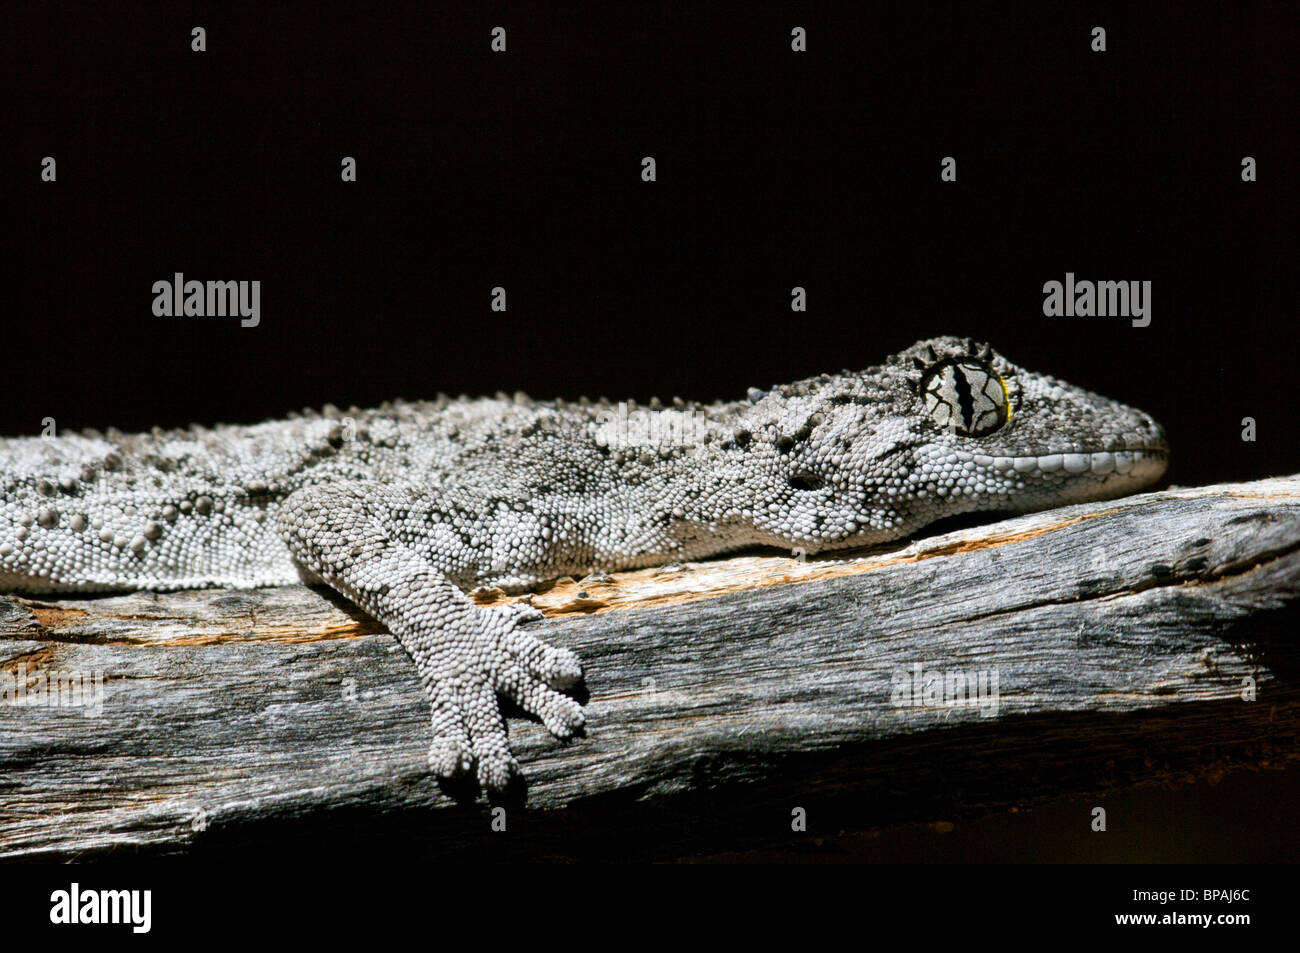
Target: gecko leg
[{"x": 349, "y": 535}]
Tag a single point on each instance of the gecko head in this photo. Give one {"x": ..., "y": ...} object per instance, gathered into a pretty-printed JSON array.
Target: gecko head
[{"x": 948, "y": 426}]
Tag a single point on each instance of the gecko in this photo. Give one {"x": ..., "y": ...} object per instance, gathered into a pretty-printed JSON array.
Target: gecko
[{"x": 407, "y": 508}]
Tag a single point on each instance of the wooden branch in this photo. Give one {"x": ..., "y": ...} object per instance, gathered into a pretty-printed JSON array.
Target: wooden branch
[{"x": 1125, "y": 639}]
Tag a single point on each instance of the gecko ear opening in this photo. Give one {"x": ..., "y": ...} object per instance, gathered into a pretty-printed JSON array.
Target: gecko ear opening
[{"x": 805, "y": 481}]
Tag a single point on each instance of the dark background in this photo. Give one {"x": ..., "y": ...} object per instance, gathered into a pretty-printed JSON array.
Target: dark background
[{"x": 776, "y": 169}]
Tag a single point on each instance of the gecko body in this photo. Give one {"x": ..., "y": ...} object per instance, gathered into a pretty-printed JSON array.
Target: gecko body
[{"x": 406, "y": 507}]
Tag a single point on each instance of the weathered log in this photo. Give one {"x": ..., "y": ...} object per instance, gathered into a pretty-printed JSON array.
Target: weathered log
[{"x": 1149, "y": 636}]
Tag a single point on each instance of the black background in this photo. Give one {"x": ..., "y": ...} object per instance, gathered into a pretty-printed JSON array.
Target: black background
[{"x": 775, "y": 169}]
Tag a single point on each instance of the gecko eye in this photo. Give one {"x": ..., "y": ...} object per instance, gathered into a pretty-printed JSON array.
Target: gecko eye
[{"x": 966, "y": 396}]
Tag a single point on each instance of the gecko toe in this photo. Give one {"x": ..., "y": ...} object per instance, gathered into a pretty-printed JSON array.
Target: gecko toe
[
  {"x": 448, "y": 758},
  {"x": 558, "y": 668},
  {"x": 450, "y": 754},
  {"x": 496, "y": 766},
  {"x": 560, "y": 715},
  {"x": 497, "y": 771}
]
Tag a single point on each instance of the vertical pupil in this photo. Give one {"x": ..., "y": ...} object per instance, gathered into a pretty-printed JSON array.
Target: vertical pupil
[{"x": 965, "y": 399}]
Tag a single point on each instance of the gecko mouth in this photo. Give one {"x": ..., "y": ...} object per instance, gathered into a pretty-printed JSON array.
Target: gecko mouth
[{"x": 1099, "y": 462}]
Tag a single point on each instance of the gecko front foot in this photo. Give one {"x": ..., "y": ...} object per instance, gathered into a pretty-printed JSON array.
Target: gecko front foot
[
  {"x": 467, "y": 656},
  {"x": 466, "y": 666}
]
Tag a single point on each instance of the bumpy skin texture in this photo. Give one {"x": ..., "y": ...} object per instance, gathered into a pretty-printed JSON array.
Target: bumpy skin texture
[{"x": 404, "y": 507}]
